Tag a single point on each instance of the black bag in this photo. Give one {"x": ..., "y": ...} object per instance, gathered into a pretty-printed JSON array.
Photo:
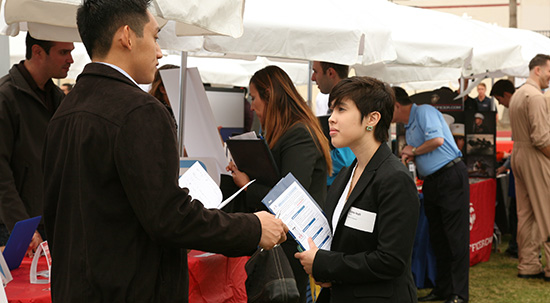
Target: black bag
[{"x": 270, "y": 278}]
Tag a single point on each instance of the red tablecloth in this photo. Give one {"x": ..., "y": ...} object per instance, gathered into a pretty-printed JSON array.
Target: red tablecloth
[
  {"x": 215, "y": 278},
  {"x": 482, "y": 218},
  {"x": 20, "y": 290},
  {"x": 212, "y": 278}
]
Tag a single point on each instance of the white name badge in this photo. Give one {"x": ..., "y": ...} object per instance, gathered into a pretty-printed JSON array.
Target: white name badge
[{"x": 360, "y": 219}]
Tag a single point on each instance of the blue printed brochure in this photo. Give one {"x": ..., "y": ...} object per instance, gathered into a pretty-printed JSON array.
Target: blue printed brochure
[{"x": 289, "y": 201}]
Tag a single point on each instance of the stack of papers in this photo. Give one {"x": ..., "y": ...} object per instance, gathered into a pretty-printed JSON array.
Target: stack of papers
[{"x": 203, "y": 188}]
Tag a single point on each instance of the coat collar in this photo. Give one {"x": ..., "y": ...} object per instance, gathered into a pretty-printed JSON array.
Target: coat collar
[
  {"x": 533, "y": 83},
  {"x": 103, "y": 70},
  {"x": 379, "y": 156},
  {"x": 21, "y": 83}
]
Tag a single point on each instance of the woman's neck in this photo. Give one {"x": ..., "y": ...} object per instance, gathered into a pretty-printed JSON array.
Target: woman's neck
[{"x": 364, "y": 151}]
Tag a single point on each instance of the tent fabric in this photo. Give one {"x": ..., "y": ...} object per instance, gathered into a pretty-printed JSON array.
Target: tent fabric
[
  {"x": 55, "y": 19},
  {"x": 322, "y": 30}
]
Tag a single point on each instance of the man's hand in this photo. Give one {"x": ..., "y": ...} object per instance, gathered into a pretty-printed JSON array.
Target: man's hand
[
  {"x": 324, "y": 284},
  {"x": 307, "y": 257},
  {"x": 501, "y": 170},
  {"x": 273, "y": 230},
  {"x": 36, "y": 240},
  {"x": 407, "y": 151}
]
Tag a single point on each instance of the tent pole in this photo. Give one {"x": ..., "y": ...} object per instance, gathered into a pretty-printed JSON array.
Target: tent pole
[
  {"x": 310, "y": 85},
  {"x": 183, "y": 90}
]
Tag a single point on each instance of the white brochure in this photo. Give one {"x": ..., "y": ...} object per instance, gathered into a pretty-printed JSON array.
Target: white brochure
[
  {"x": 203, "y": 188},
  {"x": 289, "y": 201}
]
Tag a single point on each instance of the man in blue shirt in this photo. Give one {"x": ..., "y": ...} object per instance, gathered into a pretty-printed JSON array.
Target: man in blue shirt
[{"x": 431, "y": 146}]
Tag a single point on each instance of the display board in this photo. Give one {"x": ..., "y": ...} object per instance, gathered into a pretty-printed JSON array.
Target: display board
[{"x": 228, "y": 108}]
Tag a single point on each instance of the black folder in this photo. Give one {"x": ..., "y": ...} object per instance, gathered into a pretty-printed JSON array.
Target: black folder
[{"x": 253, "y": 157}]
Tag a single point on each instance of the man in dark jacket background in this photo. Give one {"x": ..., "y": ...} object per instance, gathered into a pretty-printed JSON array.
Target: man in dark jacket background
[
  {"x": 115, "y": 217},
  {"x": 28, "y": 99}
]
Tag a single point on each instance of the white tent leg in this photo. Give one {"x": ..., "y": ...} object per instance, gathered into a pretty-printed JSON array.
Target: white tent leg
[{"x": 310, "y": 85}]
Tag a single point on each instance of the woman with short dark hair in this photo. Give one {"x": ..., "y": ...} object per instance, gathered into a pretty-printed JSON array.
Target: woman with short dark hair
[{"x": 372, "y": 205}]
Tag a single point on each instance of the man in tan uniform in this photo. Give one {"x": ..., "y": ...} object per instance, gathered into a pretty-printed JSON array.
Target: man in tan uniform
[{"x": 530, "y": 120}]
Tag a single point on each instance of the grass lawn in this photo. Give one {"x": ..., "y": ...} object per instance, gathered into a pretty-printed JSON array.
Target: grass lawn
[{"x": 496, "y": 281}]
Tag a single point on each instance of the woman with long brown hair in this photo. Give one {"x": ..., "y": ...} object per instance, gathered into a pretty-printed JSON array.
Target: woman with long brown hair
[
  {"x": 297, "y": 143},
  {"x": 159, "y": 91}
]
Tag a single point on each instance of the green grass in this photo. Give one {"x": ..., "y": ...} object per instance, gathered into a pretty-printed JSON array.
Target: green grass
[{"x": 495, "y": 281}]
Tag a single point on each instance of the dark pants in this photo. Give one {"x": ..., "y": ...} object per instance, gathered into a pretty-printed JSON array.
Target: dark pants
[
  {"x": 447, "y": 205},
  {"x": 513, "y": 216}
]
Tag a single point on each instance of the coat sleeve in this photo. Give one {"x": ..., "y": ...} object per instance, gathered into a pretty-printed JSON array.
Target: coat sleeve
[
  {"x": 146, "y": 157},
  {"x": 539, "y": 118},
  {"x": 12, "y": 208},
  {"x": 396, "y": 220}
]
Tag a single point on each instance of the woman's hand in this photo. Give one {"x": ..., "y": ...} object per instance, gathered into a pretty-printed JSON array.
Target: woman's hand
[
  {"x": 307, "y": 257},
  {"x": 240, "y": 178}
]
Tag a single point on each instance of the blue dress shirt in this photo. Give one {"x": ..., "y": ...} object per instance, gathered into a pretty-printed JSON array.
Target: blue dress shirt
[{"x": 426, "y": 123}]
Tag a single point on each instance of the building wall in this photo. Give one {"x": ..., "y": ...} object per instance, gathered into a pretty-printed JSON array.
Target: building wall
[{"x": 531, "y": 14}]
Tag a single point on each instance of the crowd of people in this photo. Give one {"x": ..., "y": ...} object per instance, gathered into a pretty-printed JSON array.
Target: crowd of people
[{"x": 100, "y": 165}]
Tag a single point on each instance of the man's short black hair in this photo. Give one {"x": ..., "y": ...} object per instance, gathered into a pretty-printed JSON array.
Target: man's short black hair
[
  {"x": 502, "y": 86},
  {"x": 369, "y": 95},
  {"x": 538, "y": 60},
  {"x": 30, "y": 41},
  {"x": 341, "y": 70},
  {"x": 98, "y": 21},
  {"x": 401, "y": 96}
]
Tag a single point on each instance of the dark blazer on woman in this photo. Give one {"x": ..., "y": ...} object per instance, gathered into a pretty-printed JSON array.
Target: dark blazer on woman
[
  {"x": 372, "y": 266},
  {"x": 295, "y": 152}
]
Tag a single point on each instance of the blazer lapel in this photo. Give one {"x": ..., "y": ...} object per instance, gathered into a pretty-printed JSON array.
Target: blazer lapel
[
  {"x": 336, "y": 190},
  {"x": 381, "y": 154}
]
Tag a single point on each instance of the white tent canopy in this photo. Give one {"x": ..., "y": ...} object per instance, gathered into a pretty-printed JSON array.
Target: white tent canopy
[
  {"x": 322, "y": 30},
  {"x": 424, "y": 39},
  {"x": 56, "y": 19},
  {"x": 236, "y": 72},
  {"x": 532, "y": 43}
]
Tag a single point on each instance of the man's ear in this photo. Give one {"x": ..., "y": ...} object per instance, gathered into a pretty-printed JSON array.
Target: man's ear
[
  {"x": 124, "y": 36},
  {"x": 537, "y": 70},
  {"x": 397, "y": 105},
  {"x": 37, "y": 51},
  {"x": 331, "y": 72}
]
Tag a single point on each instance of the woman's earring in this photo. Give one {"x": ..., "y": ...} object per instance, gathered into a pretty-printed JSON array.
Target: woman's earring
[{"x": 369, "y": 128}]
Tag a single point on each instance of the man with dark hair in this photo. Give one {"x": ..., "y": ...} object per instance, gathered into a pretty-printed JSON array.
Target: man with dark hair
[
  {"x": 446, "y": 194},
  {"x": 28, "y": 99},
  {"x": 502, "y": 91},
  {"x": 30, "y": 41},
  {"x": 530, "y": 121},
  {"x": 327, "y": 75},
  {"x": 115, "y": 216}
]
